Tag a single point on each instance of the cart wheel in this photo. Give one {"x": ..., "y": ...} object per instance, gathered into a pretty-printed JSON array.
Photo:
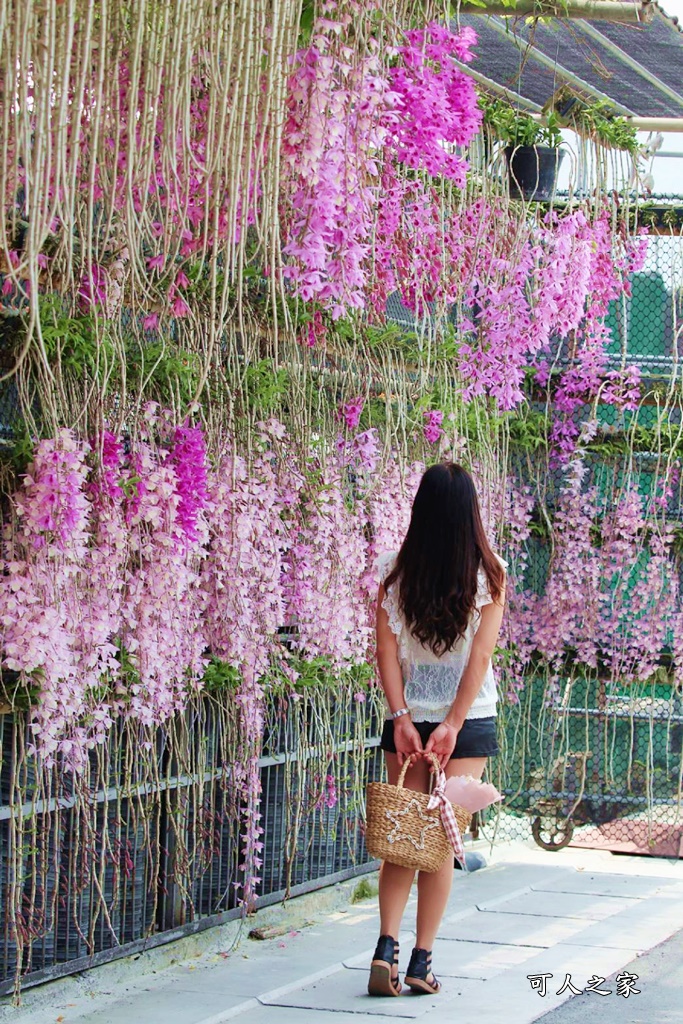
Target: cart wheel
[{"x": 552, "y": 833}]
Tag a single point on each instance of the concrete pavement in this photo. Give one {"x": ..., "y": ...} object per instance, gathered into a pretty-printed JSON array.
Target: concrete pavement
[{"x": 531, "y": 918}]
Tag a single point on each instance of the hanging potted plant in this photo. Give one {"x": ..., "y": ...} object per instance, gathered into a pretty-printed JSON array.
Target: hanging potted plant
[
  {"x": 596, "y": 120},
  {"x": 532, "y": 149}
]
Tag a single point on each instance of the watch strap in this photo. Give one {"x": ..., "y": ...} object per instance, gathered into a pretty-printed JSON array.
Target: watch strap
[{"x": 400, "y": 713}]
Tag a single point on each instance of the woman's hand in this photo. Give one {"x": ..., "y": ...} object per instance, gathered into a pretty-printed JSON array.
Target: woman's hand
[
  {"x": 407, "y": 740},
  {"x": 441, "y": 743}
]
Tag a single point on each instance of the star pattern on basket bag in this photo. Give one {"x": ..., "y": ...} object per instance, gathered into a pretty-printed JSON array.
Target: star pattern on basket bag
[{"x": 430, "y": 821}]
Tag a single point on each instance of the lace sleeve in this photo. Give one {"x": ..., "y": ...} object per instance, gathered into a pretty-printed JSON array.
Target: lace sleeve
[
  {"x": 483, "y": 596},
  {"x": 385, "y": 563}
]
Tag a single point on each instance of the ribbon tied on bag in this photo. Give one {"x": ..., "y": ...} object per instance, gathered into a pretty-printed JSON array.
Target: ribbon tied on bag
[{"x": 439, "y": 799}]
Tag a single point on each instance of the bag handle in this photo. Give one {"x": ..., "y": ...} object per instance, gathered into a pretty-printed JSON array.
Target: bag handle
[{"x": 407, "y": 763}]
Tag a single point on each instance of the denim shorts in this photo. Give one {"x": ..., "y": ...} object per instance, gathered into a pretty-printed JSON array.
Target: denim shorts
[{"x": 477, "y": 738}]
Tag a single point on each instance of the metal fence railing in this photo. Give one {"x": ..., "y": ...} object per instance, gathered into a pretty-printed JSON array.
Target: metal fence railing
[{"x": 89, "y": 872}]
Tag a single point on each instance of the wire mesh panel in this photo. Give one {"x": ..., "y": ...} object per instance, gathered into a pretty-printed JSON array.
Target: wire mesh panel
[
  {"x": 313, "y": 790},
  {"x": 213, "y": 875}
]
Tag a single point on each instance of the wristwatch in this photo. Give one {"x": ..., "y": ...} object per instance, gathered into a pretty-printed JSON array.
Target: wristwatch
[{"x": 400, "y": 712}]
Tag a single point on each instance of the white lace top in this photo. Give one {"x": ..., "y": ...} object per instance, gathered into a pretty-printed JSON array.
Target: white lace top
[{"x": 431, "y": 682}]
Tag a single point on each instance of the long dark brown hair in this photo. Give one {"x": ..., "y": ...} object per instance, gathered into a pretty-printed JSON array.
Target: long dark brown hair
[{"x": 437, "y": 565}]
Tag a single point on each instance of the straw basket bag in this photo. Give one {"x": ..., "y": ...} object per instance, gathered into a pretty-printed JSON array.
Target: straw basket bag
[{"x": 402, "y": 829}]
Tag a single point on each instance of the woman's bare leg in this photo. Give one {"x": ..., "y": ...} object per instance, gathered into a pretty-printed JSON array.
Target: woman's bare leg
[
  {"x": 395, "y": 881},
  {"x": 433, "y": 888}
]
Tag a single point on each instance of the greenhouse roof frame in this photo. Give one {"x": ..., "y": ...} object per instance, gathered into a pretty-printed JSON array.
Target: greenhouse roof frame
[{"x": 636, "y": 67}]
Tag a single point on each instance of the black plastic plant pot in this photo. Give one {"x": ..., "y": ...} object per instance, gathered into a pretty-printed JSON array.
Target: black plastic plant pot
[{"x": 533, "y": 171}]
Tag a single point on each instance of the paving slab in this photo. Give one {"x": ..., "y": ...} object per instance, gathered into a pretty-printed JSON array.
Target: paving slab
[
  {"x": 609, "y": 885},
  {"x": 298, "y": 1015},
  {"x": 482, "y": 960},
  {"x": 512, "y": 1000},
  {"x": 257, "y": 966},
  {"x": 516, "y": 929},
  {"x": 563, "y": 904},
  {"x": 497, "y": 881},
  {"x": 645, "y": 925},
  {"x": 345, "y": 991},
  {"x": 176, "y": 1006}
]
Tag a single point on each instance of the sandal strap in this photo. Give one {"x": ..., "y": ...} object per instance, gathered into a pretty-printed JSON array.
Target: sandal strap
[
  {"x": 420, "y": 964},
  {"x": 387, "y": 949}
]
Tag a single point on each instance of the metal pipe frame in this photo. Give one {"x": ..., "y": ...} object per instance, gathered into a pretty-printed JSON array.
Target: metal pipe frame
[{"x": 639, "y": 12}]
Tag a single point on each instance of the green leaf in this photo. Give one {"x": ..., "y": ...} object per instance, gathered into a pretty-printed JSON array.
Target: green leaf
[
  {"x": 306, "y": 23},
  {"x": 219, "y": 676}
]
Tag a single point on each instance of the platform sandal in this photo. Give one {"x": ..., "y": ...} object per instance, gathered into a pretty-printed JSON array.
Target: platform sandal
[
  {"x": 381, "y": 982},
  {"x": 419, "y": 974}
]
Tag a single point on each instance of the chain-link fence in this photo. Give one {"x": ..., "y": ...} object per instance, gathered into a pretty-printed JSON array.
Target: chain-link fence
[{"x": 591, "y": 755}]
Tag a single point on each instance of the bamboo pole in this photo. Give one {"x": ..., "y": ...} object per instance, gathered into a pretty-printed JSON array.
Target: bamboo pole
[{"x": 637, "y": 12}]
